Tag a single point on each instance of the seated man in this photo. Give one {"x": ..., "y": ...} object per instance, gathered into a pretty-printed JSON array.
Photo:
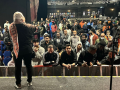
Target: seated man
[
  {"x": 66, "y": 38},
  {"x": 102, "y": 38},
  {"x": 108, "y": 59},
  {"x": 39, "y": 51},
  {"x": 87, "y": 57},
  {"x": 74, "y": 39},
  {"x": 79, "y": 49},
  {"x": 46, "y": 43},
  {"x": 58, "y": 40},
  {"x": 50, "y": 57},
  {"x": 68, "y": 57}
]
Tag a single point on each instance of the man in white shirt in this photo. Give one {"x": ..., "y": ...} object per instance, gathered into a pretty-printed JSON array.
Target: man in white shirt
[{"x": 6, "y": 24}]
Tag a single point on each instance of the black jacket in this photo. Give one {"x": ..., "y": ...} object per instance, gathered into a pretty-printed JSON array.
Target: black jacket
[
  {"x": 68, "y": 59},
  {"x": 101, "y": 54},
  {"x": 55, "y": 42},
  {"x": 25, "y": 34},
  {"x": 87, "y": 57},
  {"x": 45, "y": 46},
  {"x": 49, "y": 57}
]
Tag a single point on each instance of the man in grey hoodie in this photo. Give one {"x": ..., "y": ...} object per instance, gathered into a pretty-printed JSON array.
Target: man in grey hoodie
[{"x": 39, "y": 51}]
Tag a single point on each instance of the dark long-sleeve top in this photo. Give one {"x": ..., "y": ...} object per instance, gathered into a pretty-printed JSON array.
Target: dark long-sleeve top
[
  {"x": 25, "y": 33},
  {"x": 49, "y": 57},
  {"x": 68, "y": 59},
  {"x": 87, "y": 57}
]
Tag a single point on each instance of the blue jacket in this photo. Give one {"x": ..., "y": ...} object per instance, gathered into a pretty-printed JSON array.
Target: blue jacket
[{"x": 50, "y": 24}]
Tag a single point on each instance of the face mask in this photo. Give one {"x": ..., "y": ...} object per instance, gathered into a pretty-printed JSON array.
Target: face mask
[{"x": 102, "y": 37}]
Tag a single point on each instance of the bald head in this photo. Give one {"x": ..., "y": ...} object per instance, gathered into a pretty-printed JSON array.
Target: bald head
[
  {"x": 102, "y": 35},
  {"x": 18, "y": 17}
]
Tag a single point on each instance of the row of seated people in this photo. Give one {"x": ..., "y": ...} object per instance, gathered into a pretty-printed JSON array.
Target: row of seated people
[{"x": 66, "y": 56}]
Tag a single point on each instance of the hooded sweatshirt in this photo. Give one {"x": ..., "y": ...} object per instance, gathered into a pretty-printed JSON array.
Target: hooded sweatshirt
[{"x": 79, "y": 52}]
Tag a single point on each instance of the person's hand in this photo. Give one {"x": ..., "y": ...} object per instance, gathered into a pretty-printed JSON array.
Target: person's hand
[
  {"x": 69, "y": 66},
  {"x": 84, "y": 64},
  {"x": 98, "y": 63},
  {"x": 35, "y": 49},
  {"x": 91, "y": 64}
]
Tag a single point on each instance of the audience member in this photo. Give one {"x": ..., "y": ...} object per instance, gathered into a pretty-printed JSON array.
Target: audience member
[
  {"x": 88, "y": 57},
  {"x": 39, "y": 51},
  {"x": 68, "y": 57},
  {"x": 50, "y": 57}
]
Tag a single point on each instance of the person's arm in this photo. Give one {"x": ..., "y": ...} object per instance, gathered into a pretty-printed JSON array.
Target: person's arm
[
  {"x": 39, "y": 55},
  {"x": 80, "y": 59},
  {"x": 57, "y": 60},
  {"x": 74, "y": 59},
  {"x": 44, "y": 60}
]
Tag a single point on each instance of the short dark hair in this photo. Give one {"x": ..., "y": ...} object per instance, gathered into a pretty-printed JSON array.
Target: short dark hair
[
  {"x": 92, "y": 47},
  {"x": 35, "y": 40},
  {"x": 46, "y": 36},
  {"x": 84, "y": 35},
  {"x": 50, "y": 46},
  {"x": 60, "y": 47},
  {"x": 67, "y": 45}
]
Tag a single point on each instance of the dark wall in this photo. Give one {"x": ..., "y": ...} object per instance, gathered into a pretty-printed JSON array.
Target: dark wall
[
  {"x": 8, "y": 7},
  {"x": 42, "y": 10},
  {"x": 78, "y": 9}
]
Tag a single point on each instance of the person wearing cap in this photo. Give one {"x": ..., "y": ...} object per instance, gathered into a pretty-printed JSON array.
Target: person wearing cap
[
  {"x": 68, "y": 57},
  {"x": 102, "y": 38},
  {"x": 50, "y": 57},
  {"x": 93, "y": 37},
  {"x": 87, "y": 57},
  {"x": 85, "y": 43},
  {"x": 101, "y": 52},
  {"x": 39, "y": 51},
  {"x": 45, "y": 34}
]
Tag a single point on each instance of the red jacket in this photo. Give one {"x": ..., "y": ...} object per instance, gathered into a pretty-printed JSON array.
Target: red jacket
[
  {"x": 95, "y": 37},
  {"x": 54, "y": 28}
]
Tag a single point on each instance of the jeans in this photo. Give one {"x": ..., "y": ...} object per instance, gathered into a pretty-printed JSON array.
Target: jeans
[{"x": 18, "y": 65}]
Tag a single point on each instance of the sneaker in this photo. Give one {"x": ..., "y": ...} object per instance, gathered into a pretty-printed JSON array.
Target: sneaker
[
  {"x": 29, "y": 84},
  {"x": 18, "y": 86}
]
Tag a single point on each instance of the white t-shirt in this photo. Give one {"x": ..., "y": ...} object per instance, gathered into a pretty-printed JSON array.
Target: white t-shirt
[
  {"x": 69, "y": 32},
  {"x": 6, "y": 24},
  {"x": 91, "y": 39}
]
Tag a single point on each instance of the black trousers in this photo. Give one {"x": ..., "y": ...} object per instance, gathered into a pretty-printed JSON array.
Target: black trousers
[{"x": 18, "y": 64}]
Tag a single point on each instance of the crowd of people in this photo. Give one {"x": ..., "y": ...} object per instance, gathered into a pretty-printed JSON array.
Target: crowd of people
[{"x": 60, "y": 42}]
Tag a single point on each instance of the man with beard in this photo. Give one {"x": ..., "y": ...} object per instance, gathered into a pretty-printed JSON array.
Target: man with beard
[
  {"x": 68, "y": 57},
  {"x": 79, "y": 49},
  {"x": 50, "y": 57},
  {"x": 46, "y": 43},
  {"x": 102, "y": 38},
  {"x": 58, "y": 40},
  {"x": 85, "y": 43}
]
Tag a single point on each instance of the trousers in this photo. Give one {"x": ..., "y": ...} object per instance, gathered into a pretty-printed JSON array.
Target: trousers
[{"x": 18, "y": 64}]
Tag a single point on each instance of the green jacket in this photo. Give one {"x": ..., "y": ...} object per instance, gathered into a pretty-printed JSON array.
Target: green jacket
[{"x": 98, "y": 40}]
